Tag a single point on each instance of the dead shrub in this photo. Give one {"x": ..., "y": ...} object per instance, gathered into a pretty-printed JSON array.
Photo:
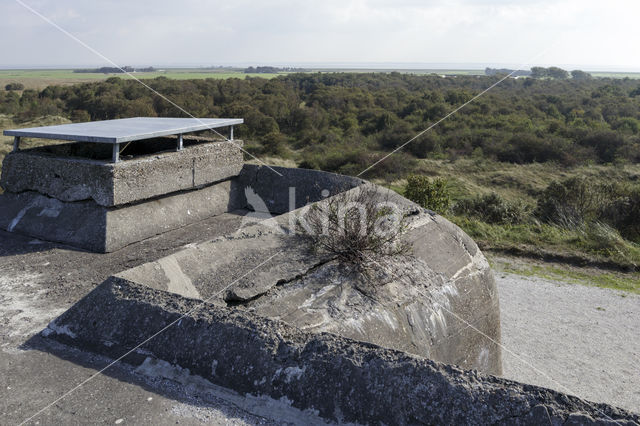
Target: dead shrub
[{"x": 357, "y": 226}]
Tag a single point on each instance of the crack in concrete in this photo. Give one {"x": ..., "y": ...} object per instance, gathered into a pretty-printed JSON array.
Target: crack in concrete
[{"x": 279, "y": 283}]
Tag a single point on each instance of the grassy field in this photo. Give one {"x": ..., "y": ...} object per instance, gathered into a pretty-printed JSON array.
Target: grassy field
[
  {"x": 625, "y": 282},
  {"x": 514, "y": 182},
  {"x": 615, "y": 74},
  {"x": 41, "y": 78}
]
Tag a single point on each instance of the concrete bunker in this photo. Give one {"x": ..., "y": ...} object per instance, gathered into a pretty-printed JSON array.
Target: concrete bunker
[
  {"x": 254, "y": 312},
  {"x": 84, "y": 195}
]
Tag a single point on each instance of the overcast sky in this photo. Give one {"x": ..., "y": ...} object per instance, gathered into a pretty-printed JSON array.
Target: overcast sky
[{"x": 571, "y": 33}]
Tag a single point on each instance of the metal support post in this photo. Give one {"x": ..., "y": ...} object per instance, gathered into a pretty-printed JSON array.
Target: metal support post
[
  {"x": 231, "y": 134},
  {"x": 115, "y": 157},
  {"x": 16, "y": 143},
  {"x": 180, "y": 143}
]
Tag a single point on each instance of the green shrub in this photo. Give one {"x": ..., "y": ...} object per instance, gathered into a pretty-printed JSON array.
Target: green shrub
[
  {"x": 573, "y": 202},
  {"x": 492, "y": 208},
  {"x": 80, "y": 116},
  {"x": 354, "y": 161},
  {"x": 14, "y": 86},
  {"x": 585, "y": 202},
  {"x": 623, "y": 213},
  {"x": 529, "y": 148},
  {"x": 274, "y": 143},
  {"x": 430, "y": 194}
]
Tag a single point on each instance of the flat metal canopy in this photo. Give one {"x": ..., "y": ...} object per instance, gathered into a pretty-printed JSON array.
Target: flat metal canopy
[{"x": 124, "y": 129}]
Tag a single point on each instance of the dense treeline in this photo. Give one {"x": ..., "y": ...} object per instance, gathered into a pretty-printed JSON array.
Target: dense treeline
[
  {"x": 271, "y": 70},
  {"x": 114, "y": 70},
  {"x": 343, "y": 122}
]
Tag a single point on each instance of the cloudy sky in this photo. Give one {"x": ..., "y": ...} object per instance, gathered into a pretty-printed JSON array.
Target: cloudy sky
[{"x": 572, "y": 33}]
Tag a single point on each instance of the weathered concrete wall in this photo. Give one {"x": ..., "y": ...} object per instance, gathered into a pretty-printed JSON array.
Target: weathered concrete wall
[
  {"x": 90, "y": 225},
  {"x": 343, "y": 379},
  {"x": 85, "y": 224},
  {"x": 108, "y": 184},
  {"x": 274, "y": 186},
  {"x": 81, "y": 224},
  {"x": 422, "y": 304}
]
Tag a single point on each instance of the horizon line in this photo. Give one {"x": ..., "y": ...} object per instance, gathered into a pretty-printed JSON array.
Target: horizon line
[{"x": 374, "y": 66}]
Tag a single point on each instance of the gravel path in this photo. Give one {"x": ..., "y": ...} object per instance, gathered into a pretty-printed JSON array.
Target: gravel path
[{"x": 583, "y": 340}]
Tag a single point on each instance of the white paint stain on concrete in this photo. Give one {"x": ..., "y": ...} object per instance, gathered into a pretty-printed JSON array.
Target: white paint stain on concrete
[
  {"x": 16, "y": 220},
  {"x": 55, "y": 328},
  {"x": 315, "y": 296},
  {"x": 50, "y": 208},
  {"x": 482, "y": 361},
  {"x": 387, "y": 318},
  {"x": 293, "y": 373},
  {"x": 179, "y": 282},
  {"x": 258, "y": 405}
]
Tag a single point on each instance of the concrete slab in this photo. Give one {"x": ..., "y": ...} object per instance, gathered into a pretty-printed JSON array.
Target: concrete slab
[
  {"x": 52, "y": 172},
  {"x": 124, "y": 129},
  {"x": 40, "y": 280}
]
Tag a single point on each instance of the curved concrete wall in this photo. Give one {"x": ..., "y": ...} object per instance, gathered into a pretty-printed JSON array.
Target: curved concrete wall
[
  {"x": 451, "y": 285},
  {"x": 284, "y": 189}
]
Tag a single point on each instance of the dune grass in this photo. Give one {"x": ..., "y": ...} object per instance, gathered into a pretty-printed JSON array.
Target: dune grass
[
  {"x": 578, "y": 246},
  {"x": 524, "y": 183},
  {"x": 624, "y": 282}
]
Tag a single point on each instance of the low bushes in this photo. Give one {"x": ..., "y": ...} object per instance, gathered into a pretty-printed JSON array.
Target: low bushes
[
  {"x": 431, "y": 194},
  {"x": 584, "y": 217},
  {"x": 581, "y": 202},
  {"x": 572, "y": 202},
  {"x": 492, "y": 208},
  {"x": 14, "y": 86}
]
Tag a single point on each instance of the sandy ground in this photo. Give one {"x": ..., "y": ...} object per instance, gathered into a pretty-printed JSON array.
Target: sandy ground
[{"x": 573, "y": 338}]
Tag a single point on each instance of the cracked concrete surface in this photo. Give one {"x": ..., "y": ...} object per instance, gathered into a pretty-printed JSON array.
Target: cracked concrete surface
[
  {"x": 303, "y": 368},
  {"x": 39, "y": 281},
  {"x": 339, "y": 378},
  {"x": 425, "y": 309}
]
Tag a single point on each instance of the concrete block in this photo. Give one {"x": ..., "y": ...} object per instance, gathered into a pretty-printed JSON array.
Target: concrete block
[
  {"x": 54, "y": 171},
  {"x": 90, "y": 226},
  {"x": 274, "y": 186},
  {"x": 342, "y": 379}
]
